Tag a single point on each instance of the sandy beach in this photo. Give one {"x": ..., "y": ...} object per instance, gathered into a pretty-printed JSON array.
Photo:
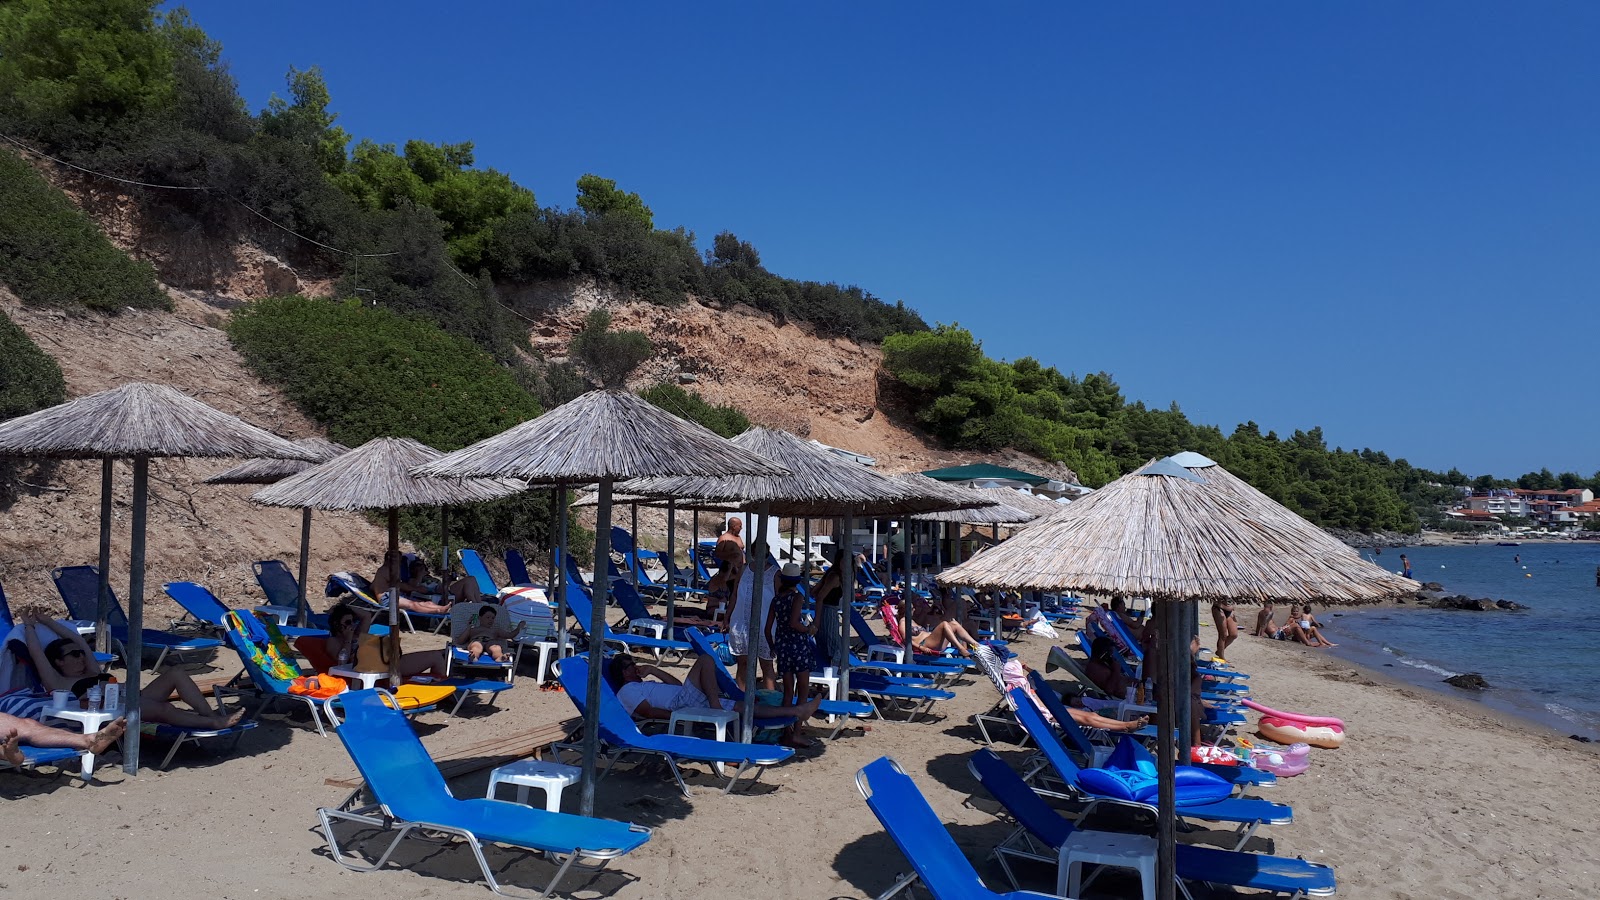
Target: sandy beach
[{"x": 1430, "y": 797}]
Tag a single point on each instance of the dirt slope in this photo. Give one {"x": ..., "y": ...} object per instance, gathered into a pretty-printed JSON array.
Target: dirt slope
[{"x": 197, "y": 532}]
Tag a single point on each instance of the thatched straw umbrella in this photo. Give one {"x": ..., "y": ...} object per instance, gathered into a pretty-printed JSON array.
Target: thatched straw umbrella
[
  {"x": 1170, "y": 534},
  {"x": 820, "y": 484},
  {"x": 601, "y": 437},
  {"x": 1030, "y": 503},
  {"x": 378, "y": 475},
  {"x": 137, "y": 421},
  {"x": 270, "y": 471}
]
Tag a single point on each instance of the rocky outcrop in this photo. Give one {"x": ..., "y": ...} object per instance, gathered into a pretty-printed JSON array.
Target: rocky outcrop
[
  {"x": 1462, "y": 601},
  {"x": 1471, "y": 681}
]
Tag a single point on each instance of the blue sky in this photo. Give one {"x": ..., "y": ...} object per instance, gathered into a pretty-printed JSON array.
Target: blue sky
[{"x": 1379, "y": 218}]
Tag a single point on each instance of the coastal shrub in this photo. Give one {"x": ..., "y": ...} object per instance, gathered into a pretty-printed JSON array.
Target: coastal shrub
[
  {"x": 609, "y": 356},
  {"x": 30, "y": 379},
  {"x": 366, "y": 372},
  {"x": 51, "y": 254},
  {"x": 723, "y": 419}
]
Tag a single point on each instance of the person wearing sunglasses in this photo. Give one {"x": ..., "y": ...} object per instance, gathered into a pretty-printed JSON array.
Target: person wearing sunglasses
[{"x": 68, "y": 664}]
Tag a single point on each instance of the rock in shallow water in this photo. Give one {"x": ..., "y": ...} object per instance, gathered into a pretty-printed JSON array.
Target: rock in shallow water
[{"x": 1471, "y": 681}]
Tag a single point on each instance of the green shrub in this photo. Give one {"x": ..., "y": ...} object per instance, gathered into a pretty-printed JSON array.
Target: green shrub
[
  {"x": 366, "y": 372},
  {"x": 725, "y": 420},
  {"x": 30, "y": 380},
  {"x": 53, "y": 255}
]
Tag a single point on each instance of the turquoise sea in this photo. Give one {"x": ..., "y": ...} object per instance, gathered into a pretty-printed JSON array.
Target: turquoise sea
[{"x": 1543, "y": 663}]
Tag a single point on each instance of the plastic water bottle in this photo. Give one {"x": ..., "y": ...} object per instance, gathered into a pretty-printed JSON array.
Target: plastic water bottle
[
  {"x": 113, "y": 697},
  {"x": 96, "y": 698},
  {"x": 344, "y": 653}
]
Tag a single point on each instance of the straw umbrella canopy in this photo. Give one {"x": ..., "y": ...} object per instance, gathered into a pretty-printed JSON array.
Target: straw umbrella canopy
[
  {"x": 601, "y": 437},
  {"x": 378, "y": 475},
  {"x": 984, "y": 506},
  {"x": 268, "y": 471},
  {"x": 1032, "y": 503},
  {"x": 821, "y": 484},
  {"x": 1168, "y": 533},
  {"x": 136, "y": 421}
]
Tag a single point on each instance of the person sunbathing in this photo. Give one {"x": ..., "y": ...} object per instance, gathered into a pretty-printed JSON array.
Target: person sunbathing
[
  {"x": 1264, "y": 625},
  {"x": 659, "y": 698},
  {"x": 349, "y": 643},
  {"x": 1104, "y": 670},
  {"x": 1016, "y": 676},
  {"x": 485, "y": 635},
  {"x": 15, "y": 732},
  {"x": 1310, "y": 630},
  {"x": 414, "y": 594},
  {"x": 68, "y": 664}
]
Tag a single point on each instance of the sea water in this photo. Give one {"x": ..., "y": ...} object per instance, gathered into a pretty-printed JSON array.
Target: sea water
[{"x": 1543, "y": 662}]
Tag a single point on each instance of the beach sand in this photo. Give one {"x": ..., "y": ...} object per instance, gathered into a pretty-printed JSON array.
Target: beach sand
[{"x": 1430, "y": 797}]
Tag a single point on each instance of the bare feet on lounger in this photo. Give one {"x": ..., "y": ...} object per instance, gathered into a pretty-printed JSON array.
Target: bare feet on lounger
[
  {"x": 102, "y": 740},
  {"x": 11, "y": 749}
]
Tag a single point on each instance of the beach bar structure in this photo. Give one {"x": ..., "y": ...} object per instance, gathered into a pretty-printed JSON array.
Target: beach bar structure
[
  {"x": 1179, "y": 531},
  {"x": 138, "y": 422}
]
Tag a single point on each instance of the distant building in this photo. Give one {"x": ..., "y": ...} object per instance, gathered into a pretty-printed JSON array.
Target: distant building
[{"x": 1543, "y": 507}]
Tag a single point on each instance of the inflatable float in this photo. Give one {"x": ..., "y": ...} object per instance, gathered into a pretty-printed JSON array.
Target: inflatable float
[
  {"x": 1294, "y": 717},
  {"x": 1285, "y": 763},
  {"x": 1285, "y": 731}
]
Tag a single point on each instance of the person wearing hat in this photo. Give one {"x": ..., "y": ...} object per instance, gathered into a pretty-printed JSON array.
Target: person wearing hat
[{"x": 790, "y": 637}]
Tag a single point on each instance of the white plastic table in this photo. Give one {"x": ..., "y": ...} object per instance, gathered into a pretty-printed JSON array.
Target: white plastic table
[
  {"x": 282, "y": 613},
  {"x": 550, "y": 777},
  {"x": 719, "y": 719},
  {"x": 367, "y": 679},
  {"x": 92, "y": 721},
  {"x": 1106, "y": 848}
]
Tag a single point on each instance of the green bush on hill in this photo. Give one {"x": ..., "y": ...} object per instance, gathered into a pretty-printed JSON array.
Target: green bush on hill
[
  {"x": 53, "y": 255},
  {"x": 725, "y": 420},
  {"x": 30, "y": 379}
]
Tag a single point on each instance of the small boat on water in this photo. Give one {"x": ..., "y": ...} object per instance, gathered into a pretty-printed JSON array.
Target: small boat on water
[{"x": 1507, "y": 543}]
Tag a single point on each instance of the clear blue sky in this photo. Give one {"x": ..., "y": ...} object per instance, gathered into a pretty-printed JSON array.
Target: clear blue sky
[{"x": 1381, "y": 218}]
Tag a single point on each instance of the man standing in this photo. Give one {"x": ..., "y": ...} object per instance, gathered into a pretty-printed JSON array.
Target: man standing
[{"x": 897, "y": 552}]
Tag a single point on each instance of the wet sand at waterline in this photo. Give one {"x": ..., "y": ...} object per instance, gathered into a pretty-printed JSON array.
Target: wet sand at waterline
[{"x": 1430, "y": 797}]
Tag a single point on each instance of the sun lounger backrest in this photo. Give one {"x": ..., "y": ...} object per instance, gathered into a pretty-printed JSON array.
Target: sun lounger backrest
[
  {"x": 267, "y": 669},
  {"x": 582, "y": 608},
  {"x": 392, "y": 760},
  {"x": 1027, "y": 807},
  {"x": 1033, "y": 723},
  {"x": 79, "y": 586},
  {"x": 7, "y": 622},
  {"x": 1058, "y": 711},
  {"x": 517, "y": 568},
  {"x": 917, "y": 831},
  {"x": 198, "y": 601},
  {"x": 725, "y": 682},
  {"x": 474, "y": 566},
  {"x": 630, "y": 601},
  {"x": 616, "y": 726},
  {"x": 277, "y": 582}
]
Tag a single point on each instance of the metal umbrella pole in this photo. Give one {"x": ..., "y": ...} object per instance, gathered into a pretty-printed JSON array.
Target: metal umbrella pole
[
  {"x": 102, "y": 640},
  {"x": 847, "y": 595},
  {"x": 596, "y": 628},
  {"x": 303, "y": 606},
  {"x": 1166, "y": 757},
  {"x": 633, "y": 555},
  {"x": 672, "y": 561},
  {"x": 559, "y": 572},
  {"x": 135, "y": 644}
]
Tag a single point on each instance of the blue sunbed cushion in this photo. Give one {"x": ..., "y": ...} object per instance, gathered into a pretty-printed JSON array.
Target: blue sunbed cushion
[{"x": 1192, "y": 785}]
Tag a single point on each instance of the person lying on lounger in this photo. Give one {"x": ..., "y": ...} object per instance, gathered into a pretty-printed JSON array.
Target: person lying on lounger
[
  {"x": 415, "y": 592},
  {"x": 657, "y": 699},
  {"x": 1104, "y": 670},
  {"x": 68, "y": 662},
  {"x": 485, "y": 635},
  {"x": 348, "y": 642},
  {"x": 15, "y": 732}
]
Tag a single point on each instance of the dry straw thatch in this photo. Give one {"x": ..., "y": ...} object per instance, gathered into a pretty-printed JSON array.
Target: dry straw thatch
[
  {"x": 1028, "y": 503},
  {"x": 378, "y": 475},
  {"x": 269, "y": 471},
  {"x": 135, "y": 420},
  {"x": 602, "y": 435},
  {"x": 820, "y": 484},
  {"x": 1167, "y": 533}
]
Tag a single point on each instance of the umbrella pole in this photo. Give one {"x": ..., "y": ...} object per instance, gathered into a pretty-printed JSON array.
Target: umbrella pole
[
  {"x": 805, "y": 564},
  {"x": 847, "y": 595},
  {"x": 559, "y": 572},
  {"x": 1188, "y": 622},
  {"x": 1166, "y": 721},
  {"x": 102, "y": 640},
  {"x": 135, "y": 643},
  {"x": 304, "y": 608},
  {"x": 595, "y": 628},
  {"x": 672, "y": 560},
  {"x": 694, "y": 551},
  {"x": 394, "y": 601},
  {"x": 444, "y": 542},
  {"x": 758, "y": 579},
  {"x": 633, "y": 537}
]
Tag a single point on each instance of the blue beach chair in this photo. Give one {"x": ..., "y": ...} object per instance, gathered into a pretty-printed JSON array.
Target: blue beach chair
[
  {"x": 842, "y": 709},
  {"x": 578, "y": 601},
  {"x": 410, "y": 795},
  {"x": 914, "y": 827},
  {"x": 475, "y": 568},
  {"x": 623, "y": 738},
  {"x": 1248, "y": 813},
  {"x": 1041, "y": 834},
  {"x": 203, "y": 606},
  {"x": 79, "y": 586},
  {"x": 517, "y": 569},
  {"x": 358, "y": 592}
]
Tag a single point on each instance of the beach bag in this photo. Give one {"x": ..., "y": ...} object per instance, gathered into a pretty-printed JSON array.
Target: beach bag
[
  {"x": 767, "y": 735},
  {"x": 317, "y": 687},
  {"x": 372, "y": 654}
]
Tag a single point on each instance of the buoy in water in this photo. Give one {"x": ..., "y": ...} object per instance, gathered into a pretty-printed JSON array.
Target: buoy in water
[{"x": 1529, "y": 575}]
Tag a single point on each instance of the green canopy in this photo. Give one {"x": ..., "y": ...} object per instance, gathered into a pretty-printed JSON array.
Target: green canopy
[{"x": 980, "y": 471}]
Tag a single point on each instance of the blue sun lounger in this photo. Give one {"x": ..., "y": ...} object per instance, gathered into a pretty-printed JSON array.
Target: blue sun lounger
[
  {"x": 478, "y": 571},
  {"x": 79, "y": 586},
  {"x": 1042, "y": 832},
  {"x": 622, "y": 735},
  {"x": 843, "y": 709},
  {"x": 578, "y": 600},
  {"x": 348, "y": 584},
  {"x": 914, "y": 827},
  {"x": 411, "y": 796},
  {"x": 517, "y": 569},
  {"x": 204, "y": 607},
  {"x": 1248, "y": 813}
]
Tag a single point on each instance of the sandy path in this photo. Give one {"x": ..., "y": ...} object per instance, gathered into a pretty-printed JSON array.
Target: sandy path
[{"x": 1429, "y": 798}]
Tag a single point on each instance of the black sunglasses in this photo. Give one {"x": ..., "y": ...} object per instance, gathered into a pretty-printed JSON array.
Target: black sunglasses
[{"x": 68, "y": 654}]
